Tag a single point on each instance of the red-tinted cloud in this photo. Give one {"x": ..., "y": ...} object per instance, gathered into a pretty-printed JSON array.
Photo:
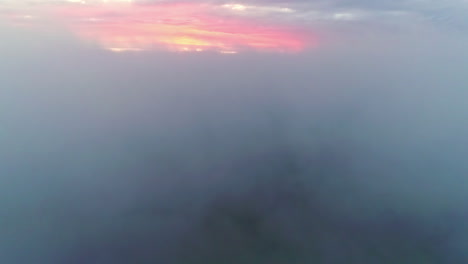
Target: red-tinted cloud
[{"x": 179, "y": 27}]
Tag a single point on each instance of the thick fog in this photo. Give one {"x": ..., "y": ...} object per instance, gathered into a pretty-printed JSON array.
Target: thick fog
[{"x": 351, "y": 152}]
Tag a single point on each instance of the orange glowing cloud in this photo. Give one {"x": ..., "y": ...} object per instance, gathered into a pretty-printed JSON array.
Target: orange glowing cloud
[{"x": 179, "y": 27}]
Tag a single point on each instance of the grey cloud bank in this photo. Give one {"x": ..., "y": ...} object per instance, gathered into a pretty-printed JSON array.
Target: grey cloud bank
[{"x": 353, "y": 152}]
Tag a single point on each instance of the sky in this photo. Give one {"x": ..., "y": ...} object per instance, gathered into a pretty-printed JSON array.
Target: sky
[
  {"x": 206, "y": 131},
  {"x": 222, "y": 26}
]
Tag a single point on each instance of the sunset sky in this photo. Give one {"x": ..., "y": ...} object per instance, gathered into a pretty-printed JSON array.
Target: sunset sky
[
  {"x": 223, "y": 26},
  {"x": 175, "y": 26}
]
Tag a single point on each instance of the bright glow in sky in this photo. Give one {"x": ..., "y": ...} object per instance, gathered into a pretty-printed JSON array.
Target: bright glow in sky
[
  {"x": 177, "y": 27},
  {"x": 120, "y": 25},
  {"x": 227, "y": 27}
]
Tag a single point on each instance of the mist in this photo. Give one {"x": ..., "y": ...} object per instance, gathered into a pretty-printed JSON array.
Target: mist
[{"x": 351, "y": 152}]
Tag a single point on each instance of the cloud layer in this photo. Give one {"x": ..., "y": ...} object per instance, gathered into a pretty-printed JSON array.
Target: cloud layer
[{"x": 336, "y": 134}]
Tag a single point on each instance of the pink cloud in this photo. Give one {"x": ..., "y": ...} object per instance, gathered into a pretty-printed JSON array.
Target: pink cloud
[{"x": 179, "y": 27}]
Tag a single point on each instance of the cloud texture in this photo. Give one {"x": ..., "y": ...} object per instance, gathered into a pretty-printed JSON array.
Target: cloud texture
[{"x": 349, "y": 148}]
